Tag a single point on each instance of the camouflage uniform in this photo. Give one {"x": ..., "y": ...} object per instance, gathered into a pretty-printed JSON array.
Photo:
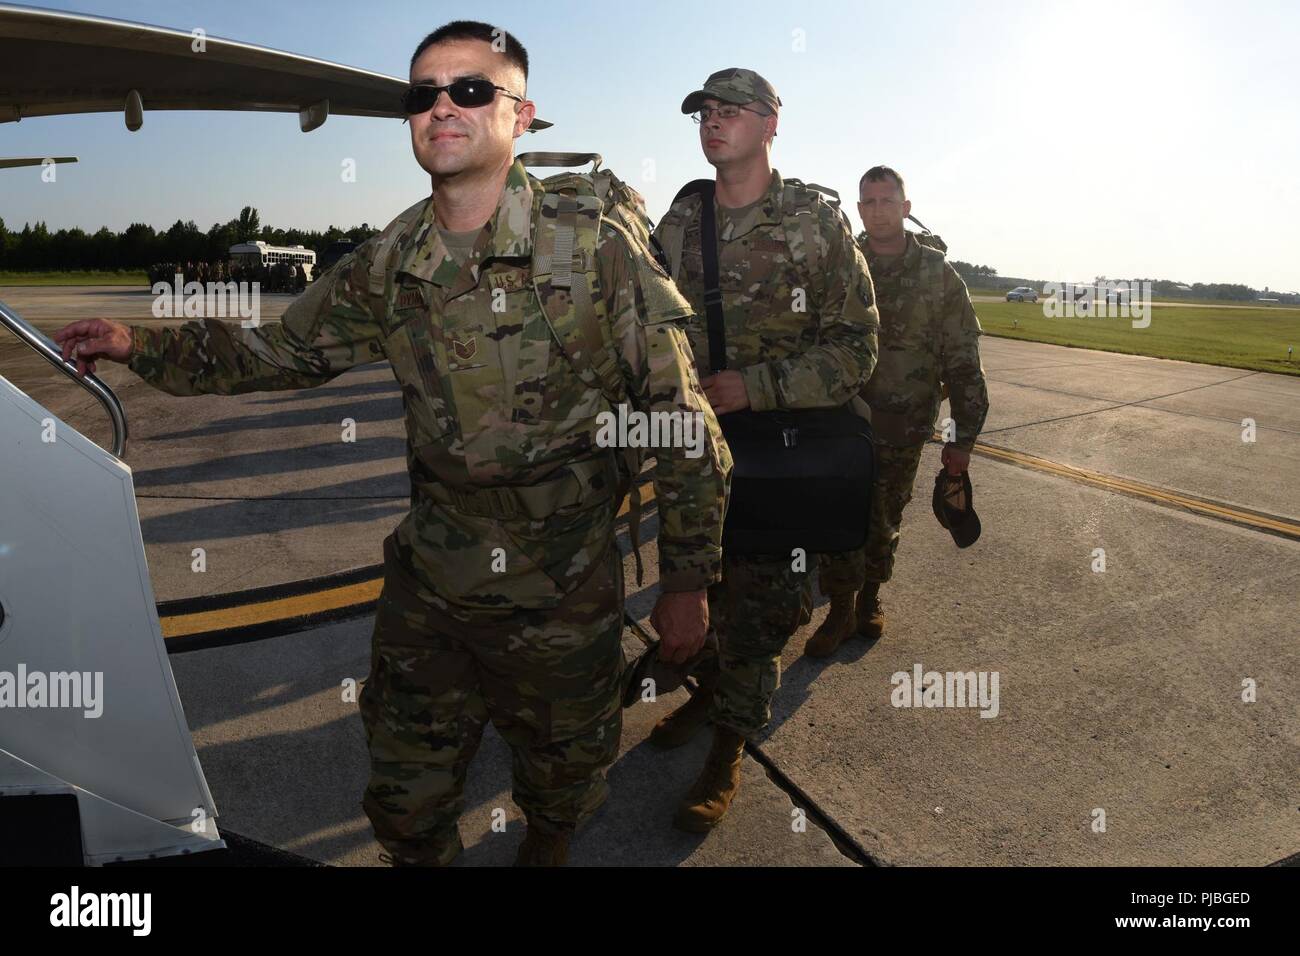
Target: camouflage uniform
[
  {"x": 504, "y": 468},
  {"x": 771, "y": 262},
  {"x": 928, "y": 334}
]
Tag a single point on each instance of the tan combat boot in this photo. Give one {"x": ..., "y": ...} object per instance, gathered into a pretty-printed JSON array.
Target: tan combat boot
[
  {"x": 680, "y": 726},
  {"x": 544, "y": 847},
  {"x": 707, "y": 801},
  {"x": 871, "y": 616},
  {"x": 835, "y": 630}
]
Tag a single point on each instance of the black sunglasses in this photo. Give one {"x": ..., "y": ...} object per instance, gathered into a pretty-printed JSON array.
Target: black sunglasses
[{"x": 463, "y": 92}]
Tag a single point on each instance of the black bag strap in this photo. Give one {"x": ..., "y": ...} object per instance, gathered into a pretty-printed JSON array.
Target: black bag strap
[{"x": 704, "y": 188}]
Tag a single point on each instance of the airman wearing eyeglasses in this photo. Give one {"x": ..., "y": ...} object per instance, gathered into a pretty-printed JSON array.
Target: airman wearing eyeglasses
[
  {"x": 800, "y": 332},
  {"x": 503, "y": 590}
]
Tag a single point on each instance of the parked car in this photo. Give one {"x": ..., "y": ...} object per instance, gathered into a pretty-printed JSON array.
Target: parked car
[{"x": 1022, "y": 293}]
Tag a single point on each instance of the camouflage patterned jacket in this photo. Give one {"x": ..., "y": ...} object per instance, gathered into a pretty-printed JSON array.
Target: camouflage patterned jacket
[
  {"x": 928, "y": 334},
  {"x": 799, "y": 313},
  {"x": 492, "y": 404}
]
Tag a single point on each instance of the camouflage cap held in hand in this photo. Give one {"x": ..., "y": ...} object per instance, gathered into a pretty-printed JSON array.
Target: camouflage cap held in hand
[
  {"x": 733, "y": 85},
  {"x": 954, "y": 505}
]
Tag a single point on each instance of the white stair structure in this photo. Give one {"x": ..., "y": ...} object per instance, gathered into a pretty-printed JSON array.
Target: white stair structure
[{"x": 75, "y": 599}]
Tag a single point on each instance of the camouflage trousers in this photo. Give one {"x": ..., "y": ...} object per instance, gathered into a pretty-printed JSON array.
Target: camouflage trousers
[
  {"x": 755, "y": 609},
  {"x": 874, "y": 561},
  {"x": 548, "y": 680}
]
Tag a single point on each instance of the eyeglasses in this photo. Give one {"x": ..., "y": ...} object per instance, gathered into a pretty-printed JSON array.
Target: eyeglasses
[
  {"x": 465, "y": 92},
  {"x": 729, "y": 111}
]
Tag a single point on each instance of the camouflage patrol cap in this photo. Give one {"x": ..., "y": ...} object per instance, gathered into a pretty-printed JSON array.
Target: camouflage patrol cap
[
  {"x": 665, "y": 676},
  {"x": 954, "y": 506},
  {"x": 733, "y": 85}
]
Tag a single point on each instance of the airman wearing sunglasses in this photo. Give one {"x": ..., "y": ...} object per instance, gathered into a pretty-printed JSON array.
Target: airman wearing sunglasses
[
  {"x": 800, "y": 332},
  {"x": 503, "y": 589}
]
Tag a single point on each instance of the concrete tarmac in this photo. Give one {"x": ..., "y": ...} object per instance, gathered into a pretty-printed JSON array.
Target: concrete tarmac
[{"x": 1121, "y": 733}]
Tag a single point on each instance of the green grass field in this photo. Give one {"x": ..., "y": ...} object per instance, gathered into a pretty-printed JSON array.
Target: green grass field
[
  {"x": 1001, "y": 294},
  {"x": 1239, "y": 338},
  {"x": 74, "y": 278},
  {"x": 1249, "y": 338}
]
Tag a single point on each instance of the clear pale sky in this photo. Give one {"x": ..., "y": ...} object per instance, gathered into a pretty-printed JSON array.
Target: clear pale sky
[{"x": 1047, "y": 139}]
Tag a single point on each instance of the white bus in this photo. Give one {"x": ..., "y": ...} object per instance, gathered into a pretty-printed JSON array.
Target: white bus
[{"x": 255, "y": 253}]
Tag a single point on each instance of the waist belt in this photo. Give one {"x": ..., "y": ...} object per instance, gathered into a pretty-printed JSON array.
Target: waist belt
[{"x": 574, "y": 486}]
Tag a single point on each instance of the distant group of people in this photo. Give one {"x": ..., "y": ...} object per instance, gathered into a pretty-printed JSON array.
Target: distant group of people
[{"x": 277, "y": 277}]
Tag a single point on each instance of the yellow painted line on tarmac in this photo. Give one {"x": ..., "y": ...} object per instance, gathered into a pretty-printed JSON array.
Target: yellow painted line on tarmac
[
  {"x": 336, "y": 598},
  {"x": 266, "y": 612},
  {"x": 647, "y": 496},
  {"x": 1138, "y": 489}
]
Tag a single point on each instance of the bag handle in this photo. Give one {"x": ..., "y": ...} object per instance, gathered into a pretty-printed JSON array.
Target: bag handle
[{"x": 564, "y": 160}]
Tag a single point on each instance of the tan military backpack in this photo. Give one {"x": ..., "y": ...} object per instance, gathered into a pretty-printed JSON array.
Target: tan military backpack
[
  {"x": 926, "y": 238},
  {"x": 931, "y": 268},
  {"x": 568, "y": 210},
  {"x": 931, "y": 281},
  {"x": 799, "y": 202}
]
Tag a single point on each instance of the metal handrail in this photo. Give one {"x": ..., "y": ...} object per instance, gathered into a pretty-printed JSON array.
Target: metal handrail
[{"x": 46, "y": 348}]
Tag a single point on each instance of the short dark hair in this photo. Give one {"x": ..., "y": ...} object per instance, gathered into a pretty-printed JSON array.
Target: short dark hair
[
  {"x": 880, "y": 174},
  {"x": 474, "y": 30}
]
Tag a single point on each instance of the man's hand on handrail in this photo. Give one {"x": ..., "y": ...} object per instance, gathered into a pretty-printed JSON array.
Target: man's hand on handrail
[{"x": 90, "y": 339}]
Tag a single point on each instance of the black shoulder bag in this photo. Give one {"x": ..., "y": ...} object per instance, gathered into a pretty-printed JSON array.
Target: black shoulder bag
[{"x": 802, "y": 478}]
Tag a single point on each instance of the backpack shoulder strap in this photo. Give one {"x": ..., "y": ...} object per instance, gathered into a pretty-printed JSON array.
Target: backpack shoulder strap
[
  {"x": 566, "y": 228},
  {"x": 933, "y": 265},
  {"x": 685, "y": 207},
  {"x": 567, "y": 222},
  {"x": 384, "y": 260},
  {"x": 699, "y": 194},
  {"x": 386, "y": 248}
]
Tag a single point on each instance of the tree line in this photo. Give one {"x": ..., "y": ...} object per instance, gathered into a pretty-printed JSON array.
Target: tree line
[
  {"x": 36, "y": 249},
  {"x": 139, "y": 246},
  {"x": 987, "y": 277}
]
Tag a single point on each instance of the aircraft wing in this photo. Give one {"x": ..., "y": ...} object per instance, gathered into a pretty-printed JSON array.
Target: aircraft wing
[
  {"x": 9, "y": 162},
  {"x": 57, "y": 63}
]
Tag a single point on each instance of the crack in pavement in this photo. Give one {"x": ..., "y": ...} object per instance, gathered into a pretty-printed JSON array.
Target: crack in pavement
[
  {"x": 1111, "y": 408},
  {"x": 844, "y": 842}
]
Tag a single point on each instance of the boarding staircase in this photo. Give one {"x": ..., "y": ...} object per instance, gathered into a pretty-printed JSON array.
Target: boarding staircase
[{"x": 76, "y": 602}]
